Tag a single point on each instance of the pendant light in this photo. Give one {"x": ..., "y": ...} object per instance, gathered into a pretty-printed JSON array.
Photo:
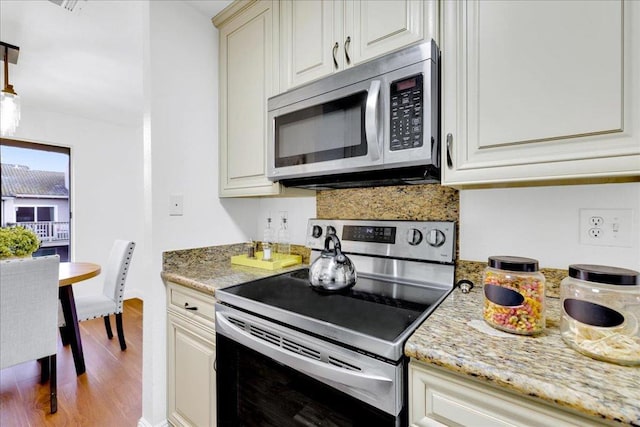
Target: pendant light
[{"x": 9, "y": 99}]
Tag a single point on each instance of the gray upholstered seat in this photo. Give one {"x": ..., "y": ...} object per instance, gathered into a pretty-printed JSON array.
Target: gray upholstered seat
[
  {"x": 110, "y": 301},
  {"x": 29, "y": 315}
]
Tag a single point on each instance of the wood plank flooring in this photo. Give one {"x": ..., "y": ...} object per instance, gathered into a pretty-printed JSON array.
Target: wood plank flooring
[{"x": 108, "y": 394}]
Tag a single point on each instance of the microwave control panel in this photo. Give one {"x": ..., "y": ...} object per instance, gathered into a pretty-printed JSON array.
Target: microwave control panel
[{"x": 406, "y": 123}]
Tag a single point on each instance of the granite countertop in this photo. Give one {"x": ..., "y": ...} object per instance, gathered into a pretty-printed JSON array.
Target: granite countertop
[
  {"x": 210, "y": 268},
  {"x": 456, "y": 337}
]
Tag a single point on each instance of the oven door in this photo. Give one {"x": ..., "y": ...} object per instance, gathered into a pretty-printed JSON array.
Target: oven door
[
  {"x": 266, "y": 377},
  {"x": 336, "y": 132}
]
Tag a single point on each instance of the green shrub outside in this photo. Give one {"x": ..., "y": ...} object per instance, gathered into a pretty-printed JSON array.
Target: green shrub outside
[{"x": 17, "y": 241}]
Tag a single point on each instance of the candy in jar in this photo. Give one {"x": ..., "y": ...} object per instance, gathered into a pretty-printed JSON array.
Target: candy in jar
[{"x": 514, "y": 295}]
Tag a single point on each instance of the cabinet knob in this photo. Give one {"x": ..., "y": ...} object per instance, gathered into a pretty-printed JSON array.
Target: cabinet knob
[
  {"x": 465, "y": 285},
  {"x": 335, "y": 50},
  {"x": 347, "y": 43}
]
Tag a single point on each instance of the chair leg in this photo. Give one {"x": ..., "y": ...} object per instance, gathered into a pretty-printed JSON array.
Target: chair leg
[
  {"x": 107, "y": 326},
  {"x": 44, "y": 369},
  {"x": 123, "y": 344},
  {"x": 64, "y": 337},
  {"x": 53, "y": 384}
]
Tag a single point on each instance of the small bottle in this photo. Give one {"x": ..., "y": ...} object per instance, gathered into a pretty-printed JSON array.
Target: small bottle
[
  {"x": 284, "y": 241},
  {"x": 250, "y": 248},
  {"x": 266, "y": 251},
  {"x": 267, "y": 241}
]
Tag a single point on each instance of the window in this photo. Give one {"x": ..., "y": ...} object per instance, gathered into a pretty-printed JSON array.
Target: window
[
  {"x": 35, "y": 192},
  {"x": 35, "y": 213},
  {"x": 25, "y": 214}
]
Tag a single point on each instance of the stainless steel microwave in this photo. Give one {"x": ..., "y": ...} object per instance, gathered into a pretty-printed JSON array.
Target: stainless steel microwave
[{"x": 374, "y": 124}]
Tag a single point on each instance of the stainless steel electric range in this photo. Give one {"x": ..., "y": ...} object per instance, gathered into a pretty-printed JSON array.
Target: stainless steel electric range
[{"x": 289, "y": 355}]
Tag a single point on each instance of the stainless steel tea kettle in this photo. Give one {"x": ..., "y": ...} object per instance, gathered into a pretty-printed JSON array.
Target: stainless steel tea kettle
[{"x": 333, "y": 271}]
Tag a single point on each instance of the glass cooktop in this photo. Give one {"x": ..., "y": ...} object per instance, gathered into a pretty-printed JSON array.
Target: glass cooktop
[{"x": 377, "y": 308}]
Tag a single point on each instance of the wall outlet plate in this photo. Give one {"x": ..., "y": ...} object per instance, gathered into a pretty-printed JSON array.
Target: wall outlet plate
[{"x": 606, "y": 227}]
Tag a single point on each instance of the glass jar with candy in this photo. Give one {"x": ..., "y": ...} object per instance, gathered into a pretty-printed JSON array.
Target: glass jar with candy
[{"x": 514, "y": 295}]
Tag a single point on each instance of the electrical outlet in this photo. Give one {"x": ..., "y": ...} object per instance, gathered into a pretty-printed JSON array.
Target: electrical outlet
[
  {"x": 595, "y": 233},
  {"x": 596, "y": 221},
  {"x": 606, "y": 227}
]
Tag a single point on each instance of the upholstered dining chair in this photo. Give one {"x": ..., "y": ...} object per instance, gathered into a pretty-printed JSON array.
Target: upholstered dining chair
[
  {"x": 110, "y": 301},
  {"x": 29, "y": 316}
]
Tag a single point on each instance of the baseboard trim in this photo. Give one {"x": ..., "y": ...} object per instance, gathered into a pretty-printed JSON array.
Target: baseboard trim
[{"x": 144, "y": 423}]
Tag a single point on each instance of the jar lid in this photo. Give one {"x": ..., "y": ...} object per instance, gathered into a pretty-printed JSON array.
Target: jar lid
[
  {"x": 513, "y": 263},
  {"x": 604, "y": 274}
]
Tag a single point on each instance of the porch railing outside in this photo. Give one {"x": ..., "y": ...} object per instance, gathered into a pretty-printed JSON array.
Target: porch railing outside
[{"x": 49, "y": 231}]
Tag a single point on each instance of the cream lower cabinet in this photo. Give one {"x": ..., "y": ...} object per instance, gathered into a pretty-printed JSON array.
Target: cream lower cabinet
[
  {"x": 439, "y": 398},
  {"x": 540, "y": 90},
  {"x": 320, "y": 37},
  {"x": 191, "y": 355}
]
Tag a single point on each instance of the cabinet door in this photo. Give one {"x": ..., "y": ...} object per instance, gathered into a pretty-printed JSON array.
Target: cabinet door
[
  {"x": 248, "y": 76},
  {"x": 440, "y": 398},
  {"x": 540, "y": 90},
  {"x": 311, "y": 34},
  {"x": 376, "y": 27},
  {"x": 191, "y": 374}
]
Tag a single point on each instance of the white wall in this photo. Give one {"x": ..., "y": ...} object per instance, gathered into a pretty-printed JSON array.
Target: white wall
[
  {"x": 543, "y": 223},
  {"x": 106, "y": 186},
  {"x": 180, "y": 157}
]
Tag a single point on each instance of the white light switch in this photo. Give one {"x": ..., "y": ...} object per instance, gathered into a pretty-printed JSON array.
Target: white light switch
[{"x": 175, "y": 204}]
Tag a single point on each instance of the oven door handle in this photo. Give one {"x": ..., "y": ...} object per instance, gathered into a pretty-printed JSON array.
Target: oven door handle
[
  {"x": 311, "y": 367},
  {"x": 371, "y": 120}
]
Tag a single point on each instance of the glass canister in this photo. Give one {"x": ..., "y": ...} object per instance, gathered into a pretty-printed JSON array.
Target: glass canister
[
  {"x": 600, "y": 312},
  {"x": 514, "y": 295}
]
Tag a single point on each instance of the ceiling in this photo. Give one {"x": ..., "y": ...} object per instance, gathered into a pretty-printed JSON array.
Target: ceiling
[{"x": 85, "y": 63}]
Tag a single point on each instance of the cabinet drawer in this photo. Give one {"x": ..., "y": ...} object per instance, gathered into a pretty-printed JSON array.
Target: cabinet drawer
[
  {"x": 440, "y": 398},
  {"x": 192, "y": 304}
]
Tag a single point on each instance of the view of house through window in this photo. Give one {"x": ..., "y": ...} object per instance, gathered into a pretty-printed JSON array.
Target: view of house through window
[{"x": 35, "y": 193}]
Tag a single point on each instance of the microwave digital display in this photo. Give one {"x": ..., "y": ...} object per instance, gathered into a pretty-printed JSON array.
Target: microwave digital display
[{"x": 406, "y": 84}]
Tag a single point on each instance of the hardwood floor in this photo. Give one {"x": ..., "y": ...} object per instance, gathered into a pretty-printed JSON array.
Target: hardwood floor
[{"x": 108, "y": 394}]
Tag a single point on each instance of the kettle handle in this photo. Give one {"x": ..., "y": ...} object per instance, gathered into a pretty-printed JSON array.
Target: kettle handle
[{"x": 336, "y": 244}]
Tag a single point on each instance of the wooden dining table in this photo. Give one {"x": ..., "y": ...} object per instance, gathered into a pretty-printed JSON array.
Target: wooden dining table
[{"x": 70, "y": 273}]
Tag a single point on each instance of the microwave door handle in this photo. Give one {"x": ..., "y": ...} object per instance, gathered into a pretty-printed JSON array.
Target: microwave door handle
[{"x": 371, "y": 120}]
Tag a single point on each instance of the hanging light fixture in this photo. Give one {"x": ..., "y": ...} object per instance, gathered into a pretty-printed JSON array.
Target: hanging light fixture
[{"x": 9, "y": 99}]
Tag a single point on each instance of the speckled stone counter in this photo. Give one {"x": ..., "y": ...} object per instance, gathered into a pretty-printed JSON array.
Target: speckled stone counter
[
  {"x": 210, "y": 268},
  {"x": 454, "y": 337}
]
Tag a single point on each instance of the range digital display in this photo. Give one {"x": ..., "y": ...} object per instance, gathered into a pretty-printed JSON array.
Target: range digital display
[{"x": 366, "y": 233}]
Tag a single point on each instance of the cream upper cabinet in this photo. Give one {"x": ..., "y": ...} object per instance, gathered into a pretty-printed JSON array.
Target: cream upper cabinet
[
  {"x": 248, "y": 76},
  {"x": 539, "y": 91},
  {"x": 320, "y": 37},
  {"x": 377, "y": 27},
  {"x": 310, "y": 31}
]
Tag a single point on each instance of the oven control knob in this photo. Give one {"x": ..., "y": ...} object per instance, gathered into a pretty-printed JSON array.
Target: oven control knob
[
  {"x": 316, "y": 231},
  {"x": 435, "y": 237},
  {"x": 414, "y": 236},
  {"x": 331, "y": 230}
]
